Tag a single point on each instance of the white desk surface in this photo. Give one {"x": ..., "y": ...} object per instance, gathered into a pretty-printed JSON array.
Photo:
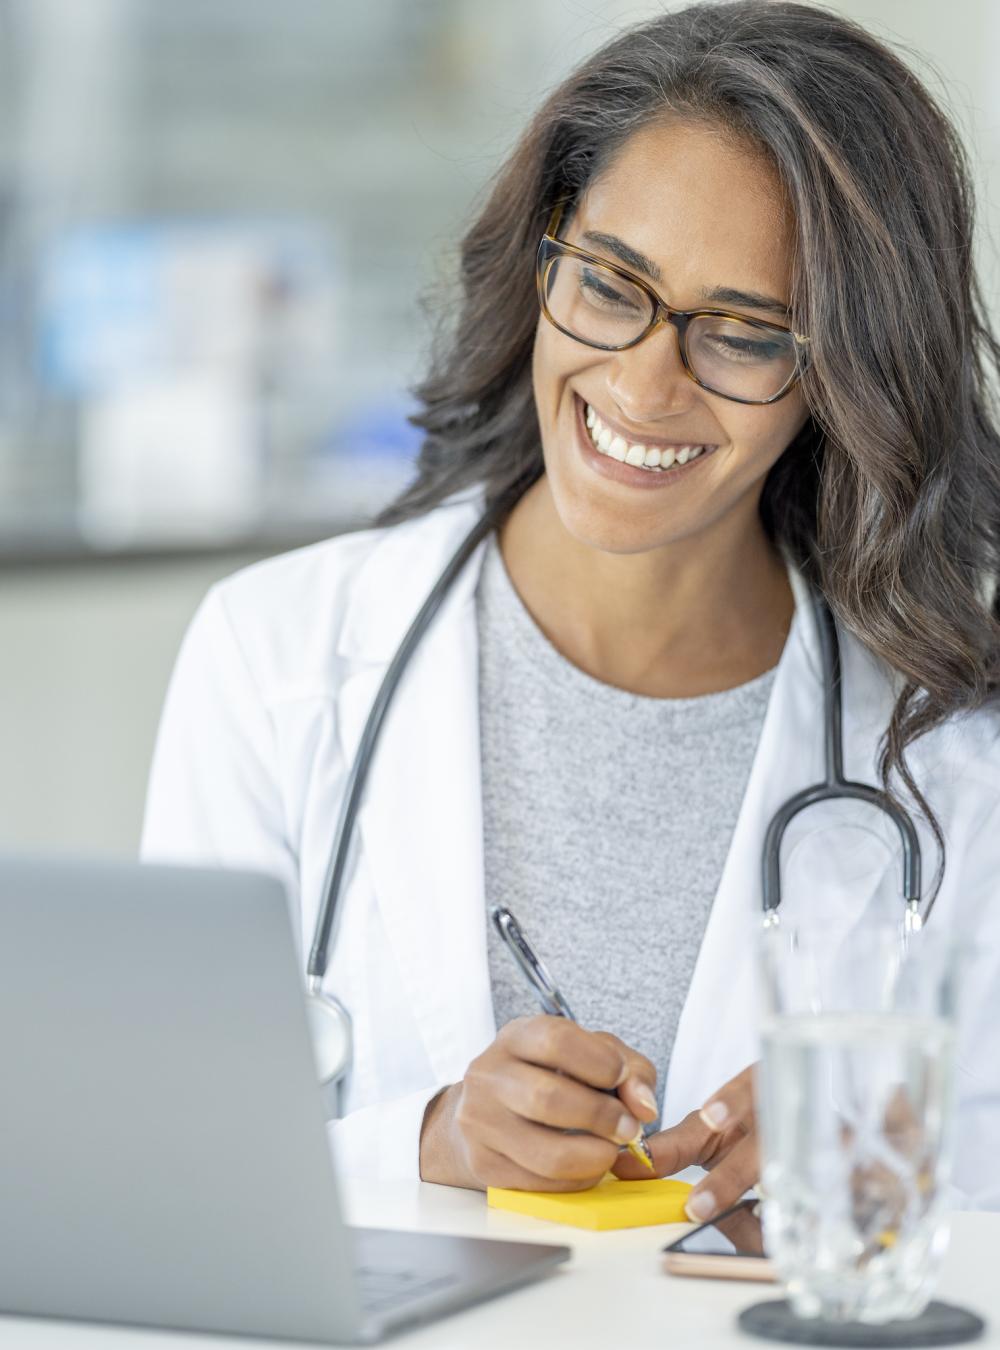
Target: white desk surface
[{"x": 610, "y": 1294}]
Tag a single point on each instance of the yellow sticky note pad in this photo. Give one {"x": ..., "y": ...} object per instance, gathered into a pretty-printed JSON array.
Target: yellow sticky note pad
[{"x": 610, "y": 1204}]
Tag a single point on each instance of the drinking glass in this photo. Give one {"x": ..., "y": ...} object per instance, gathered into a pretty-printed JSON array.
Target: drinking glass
[{"x": 855, "y": 1101}]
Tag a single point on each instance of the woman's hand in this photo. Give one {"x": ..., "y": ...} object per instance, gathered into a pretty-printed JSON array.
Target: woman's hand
[
  {"x": 505, "y": 1123},
  {"x": 721, "y": 1137}
]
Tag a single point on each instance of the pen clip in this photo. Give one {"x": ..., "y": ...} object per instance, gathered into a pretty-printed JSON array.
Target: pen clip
[{"x": 534, "y": 969}]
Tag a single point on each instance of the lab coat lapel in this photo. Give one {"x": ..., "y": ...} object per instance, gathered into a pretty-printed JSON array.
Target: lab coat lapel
[
  {"x": 421, "y": 821},
  {"x": 717, "y": 1033}
]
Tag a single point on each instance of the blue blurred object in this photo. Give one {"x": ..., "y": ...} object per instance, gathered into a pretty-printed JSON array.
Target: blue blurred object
[
  {"x": 377, "y": 431},
  {"x": 123, "y": 302}
]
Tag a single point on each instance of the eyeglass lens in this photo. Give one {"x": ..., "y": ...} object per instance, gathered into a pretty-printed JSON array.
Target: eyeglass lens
[{"x": 728, "y": 356}]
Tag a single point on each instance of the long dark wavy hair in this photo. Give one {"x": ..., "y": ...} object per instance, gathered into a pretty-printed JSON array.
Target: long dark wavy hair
[{"x": 889, "y": 498}]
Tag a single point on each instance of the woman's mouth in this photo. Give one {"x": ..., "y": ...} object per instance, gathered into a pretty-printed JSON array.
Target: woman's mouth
[{"x": 634, "y": 461}]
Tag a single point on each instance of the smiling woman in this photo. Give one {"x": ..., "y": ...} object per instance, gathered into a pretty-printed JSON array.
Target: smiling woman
[
  {"x": 710, "y": 152},
  {"x": 719, "y": 347},
  {"x": 703, "y": 212}
]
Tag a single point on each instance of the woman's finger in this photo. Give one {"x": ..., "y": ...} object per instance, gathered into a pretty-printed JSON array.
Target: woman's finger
[
  {"x": 639, "y": 1096},
  {"x": 727, "y": 1181},
  {"x": 672, "y": 1150},
  {"x": 558, "y": 1043},
  {"x": 733, "y": 1105},
  {"x": 704, "y": 1138},
  {"x": 638, "y": 1091},
  {"x": 498, "y": 1170},
  {"x": 557, "y": 1100},
  {"x": 550, "y": 1155}
]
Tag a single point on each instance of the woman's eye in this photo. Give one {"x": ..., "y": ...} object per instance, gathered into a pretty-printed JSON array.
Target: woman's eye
[
  {"x": 745, "y": 349},
  {"x": 596, "y": 289}
]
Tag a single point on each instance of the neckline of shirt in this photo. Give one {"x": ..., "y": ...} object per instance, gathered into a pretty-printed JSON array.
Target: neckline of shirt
[{"x": 498, "y": 594}]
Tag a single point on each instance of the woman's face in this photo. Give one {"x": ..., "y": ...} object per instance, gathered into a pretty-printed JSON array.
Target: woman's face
[{"x": 708, "y": 214}]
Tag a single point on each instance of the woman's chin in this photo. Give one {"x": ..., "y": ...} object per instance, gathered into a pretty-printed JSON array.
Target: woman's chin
[
  {"x": 595, "y": 526},
  {"x": 588, "y": 516}
]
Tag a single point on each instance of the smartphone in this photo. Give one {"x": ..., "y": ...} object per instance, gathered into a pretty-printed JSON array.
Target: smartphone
[{"x": 728, "y": 1247}]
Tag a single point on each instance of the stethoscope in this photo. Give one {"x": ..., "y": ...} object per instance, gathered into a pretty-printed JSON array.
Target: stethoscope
[{"x": 329, "y": 1020}]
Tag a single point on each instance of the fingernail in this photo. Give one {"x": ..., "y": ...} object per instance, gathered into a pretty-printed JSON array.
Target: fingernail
[
  {"x": 628, "y": 1128},
  {"x": 715, "y": 1115},
  {"x": 645, "y": 1097},
  {"x": 700, "y": 1206}
]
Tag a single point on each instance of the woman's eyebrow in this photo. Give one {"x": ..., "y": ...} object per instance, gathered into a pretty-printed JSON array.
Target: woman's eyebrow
[
  {"x": 719, "y": 295},
  {"x": 727, "y": 295}
]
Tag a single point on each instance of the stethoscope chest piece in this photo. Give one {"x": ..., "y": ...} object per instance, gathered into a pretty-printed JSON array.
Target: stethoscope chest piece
[{"x": 330, "y": 1025}]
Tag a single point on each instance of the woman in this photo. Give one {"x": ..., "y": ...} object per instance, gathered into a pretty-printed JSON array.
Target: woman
[{"x": 622, "y": 685}]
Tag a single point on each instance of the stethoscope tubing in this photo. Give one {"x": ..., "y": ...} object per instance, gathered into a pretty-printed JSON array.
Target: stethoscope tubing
[
  {"x": 834, "y": 786},
  {"x": 318, "y": 954}
]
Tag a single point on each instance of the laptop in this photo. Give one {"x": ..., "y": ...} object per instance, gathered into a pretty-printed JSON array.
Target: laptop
[{"x": 164, "y": 1159}]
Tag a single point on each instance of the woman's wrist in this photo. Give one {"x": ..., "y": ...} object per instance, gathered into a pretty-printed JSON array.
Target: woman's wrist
[{"x": 439, "y": 1158}]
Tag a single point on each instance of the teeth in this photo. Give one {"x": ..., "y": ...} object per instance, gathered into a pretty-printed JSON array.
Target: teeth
[{"x": 638, "y": 455}]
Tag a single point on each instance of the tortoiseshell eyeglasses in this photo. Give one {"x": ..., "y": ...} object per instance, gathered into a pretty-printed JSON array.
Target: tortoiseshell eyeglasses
[{"x": 608, "y": 307}]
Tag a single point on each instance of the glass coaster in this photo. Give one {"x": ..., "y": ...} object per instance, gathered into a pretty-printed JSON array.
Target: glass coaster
[{"x": 938, "y": 1324}]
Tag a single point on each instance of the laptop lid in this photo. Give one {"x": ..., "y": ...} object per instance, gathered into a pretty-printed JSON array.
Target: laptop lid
[{"x": 163, "y": 1154}]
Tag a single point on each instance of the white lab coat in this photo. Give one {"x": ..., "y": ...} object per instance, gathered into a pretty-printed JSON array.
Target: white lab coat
[{"x": 270, "y": 693}]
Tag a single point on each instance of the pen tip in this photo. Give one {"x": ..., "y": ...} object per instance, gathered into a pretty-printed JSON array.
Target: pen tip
[{"x": 640, "y": 1149}]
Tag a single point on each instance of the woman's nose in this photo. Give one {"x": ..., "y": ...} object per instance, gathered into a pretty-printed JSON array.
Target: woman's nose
[{"x": 649, "y": 380}]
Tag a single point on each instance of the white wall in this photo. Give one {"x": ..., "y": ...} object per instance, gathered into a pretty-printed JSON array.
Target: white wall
[{"x": 87, "y": 653}]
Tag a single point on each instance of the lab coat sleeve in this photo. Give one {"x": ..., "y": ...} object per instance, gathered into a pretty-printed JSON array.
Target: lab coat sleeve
[
  {"x": 976, "y": 1169},
  {"x": 214, "y": 794},
  {"x": 214, "y": 799},
  {"x": 382, "y": 1141}
]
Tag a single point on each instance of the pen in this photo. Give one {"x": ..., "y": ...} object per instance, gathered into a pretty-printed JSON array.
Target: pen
[{"x": 548, "y": 995}]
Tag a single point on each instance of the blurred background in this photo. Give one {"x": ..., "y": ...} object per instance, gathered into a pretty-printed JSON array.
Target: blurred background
[{"x": 218, "y": 220}]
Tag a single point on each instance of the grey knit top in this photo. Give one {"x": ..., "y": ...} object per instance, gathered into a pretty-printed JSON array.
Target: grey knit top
[{"x": 607, "y": 818}]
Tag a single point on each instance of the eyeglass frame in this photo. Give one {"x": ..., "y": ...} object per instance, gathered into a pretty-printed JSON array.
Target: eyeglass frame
[{"x": 663, "y": 313}]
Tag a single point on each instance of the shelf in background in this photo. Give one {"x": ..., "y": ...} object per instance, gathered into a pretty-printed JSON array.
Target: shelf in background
[{"x": 70, "y": 548}]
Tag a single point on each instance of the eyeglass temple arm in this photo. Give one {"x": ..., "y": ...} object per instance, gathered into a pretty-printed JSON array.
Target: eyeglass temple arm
[
  {"x": 836, "y": 785},
  {"x": 555, "y": 219}
]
